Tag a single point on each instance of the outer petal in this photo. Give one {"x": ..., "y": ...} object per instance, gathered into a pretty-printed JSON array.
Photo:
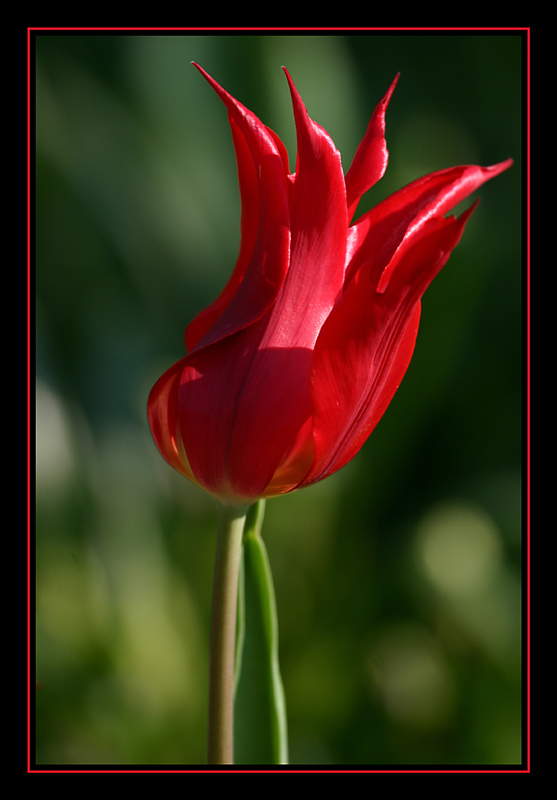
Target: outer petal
[
  {"x": 379, "y": 232},
  {"x": 162, "y": 412},
  {"x": 249, "y": 226},
  {"x": 318, "y": 237},
  {"x": 365, "y": 347},
  {"x": 370, "y": 161},
  {"x": 255, "y": 286}
]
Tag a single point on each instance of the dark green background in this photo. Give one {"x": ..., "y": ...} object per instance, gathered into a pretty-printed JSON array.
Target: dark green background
[{"x": 398, "y": 580}]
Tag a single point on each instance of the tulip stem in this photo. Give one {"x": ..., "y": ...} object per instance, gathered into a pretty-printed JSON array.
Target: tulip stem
[{"x": 223, "y": 634}]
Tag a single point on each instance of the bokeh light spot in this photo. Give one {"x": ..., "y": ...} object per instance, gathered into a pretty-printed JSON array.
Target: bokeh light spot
[{"x": 459, "y": 549}]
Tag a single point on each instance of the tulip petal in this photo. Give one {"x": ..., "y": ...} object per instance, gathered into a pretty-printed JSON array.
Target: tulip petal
[
  {"x": 249, "y": 223},
  {"x": 255, "y": 286},
  {"x": 379, "y": 232},
  {"x": 164, "y": 421},
  {"x": 295, "y": 464},
  {"x": 366, "y": 345},
  {"x": 319, "y": 227},
  {"x": 370, "y": 161}
]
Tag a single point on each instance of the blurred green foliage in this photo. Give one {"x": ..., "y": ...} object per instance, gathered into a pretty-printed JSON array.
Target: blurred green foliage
[{"x": 398, "y": 580}]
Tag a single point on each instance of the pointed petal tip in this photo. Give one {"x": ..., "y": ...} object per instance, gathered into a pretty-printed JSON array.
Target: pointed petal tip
[
  {"x": 203, "y": 72},
  {"x": 215, "y": 84},
  {"x": 208, "y": 78},
  {"x": 501, "y": 166},
  {"x": 300, "y": 111},
  {"x": 289, "y": 79},
  {"x": 391, "y": 88}
]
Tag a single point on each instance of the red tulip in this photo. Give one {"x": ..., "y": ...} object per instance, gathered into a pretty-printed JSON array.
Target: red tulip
[{"x": 289, "y": 370}]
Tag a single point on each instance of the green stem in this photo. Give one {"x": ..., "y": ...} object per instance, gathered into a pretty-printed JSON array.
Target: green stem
[
  {"x": 254, "y": 519},
  {"x": 223, "y": 635},
  {"x": 260, "y": 725}
]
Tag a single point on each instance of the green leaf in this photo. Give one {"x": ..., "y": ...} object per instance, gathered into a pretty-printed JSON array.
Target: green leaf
[{"x": 260, "y": 735}]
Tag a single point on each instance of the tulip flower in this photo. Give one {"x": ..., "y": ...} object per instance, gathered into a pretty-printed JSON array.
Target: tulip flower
[{"x": 290, "y": 369}]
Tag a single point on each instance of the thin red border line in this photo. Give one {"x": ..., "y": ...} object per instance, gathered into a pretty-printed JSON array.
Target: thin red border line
[
  {"x": 302, "y": 771},
  {"x": 28, "y": 395},
  {"x": 281, "y": 28},
  {"x": 528, "y": 318},
  {"x": 527, "y": 31}
]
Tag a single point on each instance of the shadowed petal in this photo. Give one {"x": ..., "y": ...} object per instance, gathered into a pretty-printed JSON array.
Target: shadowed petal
[
  {"x": 241, "y": 407},
  {"x": 296, "y": 463}
]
